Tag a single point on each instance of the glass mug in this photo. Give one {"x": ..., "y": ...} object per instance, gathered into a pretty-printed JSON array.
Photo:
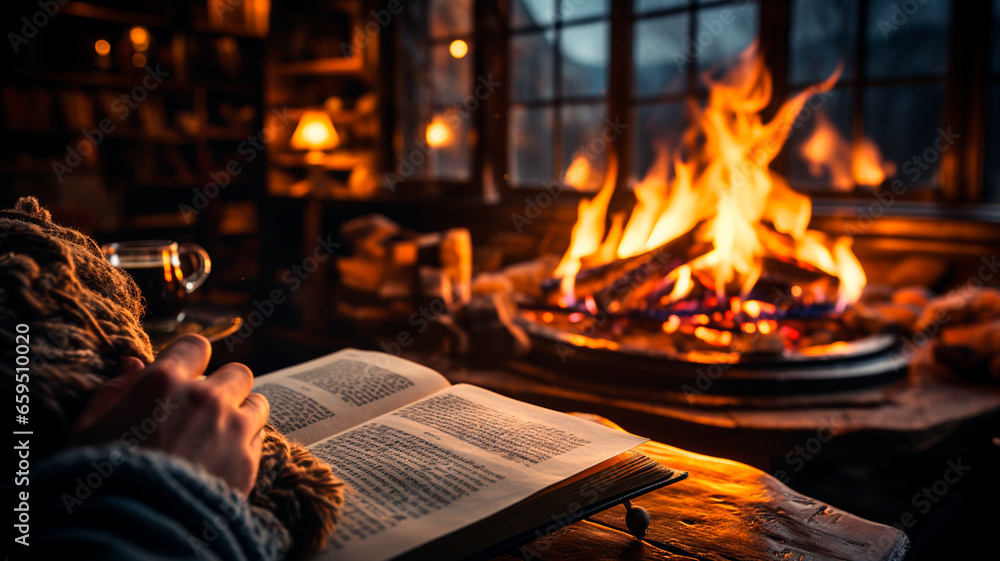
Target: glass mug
[{"x": 156, "y": 267}]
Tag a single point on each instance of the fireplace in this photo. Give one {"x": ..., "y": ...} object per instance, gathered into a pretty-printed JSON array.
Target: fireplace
[{"x": 720, "y": 223}]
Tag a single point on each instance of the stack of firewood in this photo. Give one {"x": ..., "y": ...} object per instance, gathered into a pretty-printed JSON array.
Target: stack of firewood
[
  {"x": 960, "y": 329},
  {"x": 414, "y": 292}
]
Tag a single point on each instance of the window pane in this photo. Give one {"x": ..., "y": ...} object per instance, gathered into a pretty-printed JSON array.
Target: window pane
[
  {"x": 996, "y": 37},
  {"x": 530, "y": 145},
  {"x": 831, "y": 153},
  {"x": 722, "y": 33},
  {"x": 531, "y": 66},
  {"x": 409, "y": 138},
  {"x": 411, "y": 88},
  {"x": 642, "y": 6},
  {"x": 660, "y": 55},
  {"x": 583, "y": 124},
  {"x": 657, "y": 127},
  {"x": 908, "y": 44},
  {"x": 526, "y": 13},
  {"x": 823, "y": 33},
  {"x": 903, "y": 122},
  {"x": 450, "y": 76},
  {"x": 585, "y": 54},
  {"x": 578, "y": 9},
  {"x": 450, "y": 17},
  {"x": 452, "y": 160}
]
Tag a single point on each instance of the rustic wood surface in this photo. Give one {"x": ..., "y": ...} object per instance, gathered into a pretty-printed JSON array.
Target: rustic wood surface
[{"x": 724, "y": 511}]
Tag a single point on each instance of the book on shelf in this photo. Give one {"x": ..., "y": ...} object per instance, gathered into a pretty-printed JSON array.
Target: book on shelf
[{"x": 441, "y": 471}]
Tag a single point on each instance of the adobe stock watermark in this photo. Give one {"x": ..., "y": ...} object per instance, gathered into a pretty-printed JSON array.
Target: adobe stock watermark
[
  {"x": 552, "y": 189},
  {"x": 361, "y": 37},
  {"x": 219, "y": 179},
  {"x": 292, "y": 280},
  {"x": 420, "y": 320},
  {"x": 914, "y": 169},
  {"x": 957, "y": 298},
  {"x": 797, "y": 457},
  {"x": 121, "y": 107},
  {"x": 31, "y": 25},
  {"x": 590, "y": 493},
  {"x": 710, "y": 30},
  {"x": 130, "y": 439},
  {"x": 925, "y": 499},
  {"x": 899, "y": 15},
  {"x": 407, "y": 164},
  {"x": 619, "y": 290}
]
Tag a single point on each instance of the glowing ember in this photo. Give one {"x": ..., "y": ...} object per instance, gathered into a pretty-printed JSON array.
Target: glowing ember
[
  {"x": 714, "y": 336},
  {"x": 672, "y": 323}
]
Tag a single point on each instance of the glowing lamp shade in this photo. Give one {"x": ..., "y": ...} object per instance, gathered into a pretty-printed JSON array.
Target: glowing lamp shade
[{"x": 315, "y": 132}]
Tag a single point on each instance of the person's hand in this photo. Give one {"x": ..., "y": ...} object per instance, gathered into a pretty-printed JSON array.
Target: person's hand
[{"x": 215, "y": 423}]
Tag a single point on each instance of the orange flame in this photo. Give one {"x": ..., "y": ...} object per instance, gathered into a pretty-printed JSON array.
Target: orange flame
[
  {"x": 718, "y": 184},
  {"x": 829, "y": 154}
]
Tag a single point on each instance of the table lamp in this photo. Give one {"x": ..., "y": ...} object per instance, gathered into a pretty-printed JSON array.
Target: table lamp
[{"x": 315, "y": 133}]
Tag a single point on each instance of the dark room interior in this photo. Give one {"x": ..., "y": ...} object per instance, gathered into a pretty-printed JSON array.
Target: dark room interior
[{"x": 762, "y": 234}]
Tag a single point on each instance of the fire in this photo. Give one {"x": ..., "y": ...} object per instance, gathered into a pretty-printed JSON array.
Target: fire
[
  {"x": 829, "y": 153},
  {"x": 718, "y": 185}
]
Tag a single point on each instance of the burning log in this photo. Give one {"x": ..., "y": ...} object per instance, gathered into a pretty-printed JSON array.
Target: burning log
[{"x": 605, "y": 283}]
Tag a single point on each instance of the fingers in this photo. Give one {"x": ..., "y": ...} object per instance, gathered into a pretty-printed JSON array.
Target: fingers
[
  {"x": 187, "y": 356},
  {"x": 234, "y": 380},
  {"x": 110, "y": 392},
  {"x": 130, "y": 366},
  {"x": 258, "y": 409}
]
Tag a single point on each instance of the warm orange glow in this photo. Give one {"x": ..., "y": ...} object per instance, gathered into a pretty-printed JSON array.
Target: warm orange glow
[
  {"x": 102, "y": 47},
  {"x": 587, "y": 233},
  {"x": 139, "y": 37},
  {"x": 682, "y": 287},
  {"x": 672, "y": 323},
  {"x": 796, "y": 290},
  {"x": 827, "y": 151},
  {"x": 438, "y": 133},
  {"x": 718, "y": 185},
  {"x": 548, "y": 317},
  {"x": 713, "y": 336},
  {"x": 458, "y": 48},
  {"x": 749, "y": 327},
  {"x": 138, "y": 60},
  {"x": 314, "y": 132},
  {"x": 766, "y": 326},
  {"x": 578, "y": 173}
]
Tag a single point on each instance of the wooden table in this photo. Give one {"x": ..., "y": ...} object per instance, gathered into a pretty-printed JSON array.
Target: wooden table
[
  {"x": 724, "y": 511},
  {"x": 868, "y": 450}
]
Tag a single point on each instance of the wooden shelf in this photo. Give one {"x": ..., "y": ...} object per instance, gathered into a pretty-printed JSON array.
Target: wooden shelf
[{"x": 101, "y": 13}]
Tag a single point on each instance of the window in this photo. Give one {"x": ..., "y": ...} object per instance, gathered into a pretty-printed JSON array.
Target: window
[
  {"x": 891, "y": 90},
  {"x": 570, "y": 66},
  {"x": 559, "y": 53},
  {"x": 433, "y": 78},
  {"x": 675, "y": 43}
]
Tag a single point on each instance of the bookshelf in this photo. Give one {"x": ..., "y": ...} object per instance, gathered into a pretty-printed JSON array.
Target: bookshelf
[{"x": 121, "y": 116}]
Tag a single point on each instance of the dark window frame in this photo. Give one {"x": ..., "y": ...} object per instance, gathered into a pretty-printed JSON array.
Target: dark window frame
[{"x": 962, "y": 168}]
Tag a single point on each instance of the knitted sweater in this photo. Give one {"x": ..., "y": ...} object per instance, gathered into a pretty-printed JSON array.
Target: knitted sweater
[{"x": 118, "y": 502}]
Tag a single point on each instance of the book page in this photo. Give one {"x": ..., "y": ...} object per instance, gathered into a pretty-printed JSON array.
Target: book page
[
  {"x": 327, "y": 395},
  {"x": 448, "y": 460}
]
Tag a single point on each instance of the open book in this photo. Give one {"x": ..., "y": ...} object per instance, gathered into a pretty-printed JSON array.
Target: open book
[{"x": 448, "y": 472}]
